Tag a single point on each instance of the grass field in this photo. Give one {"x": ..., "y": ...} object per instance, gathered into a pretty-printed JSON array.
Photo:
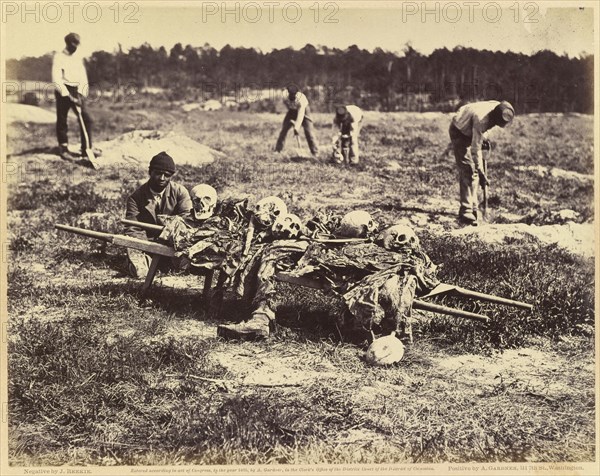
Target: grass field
[{"x": 97, "y": 378}]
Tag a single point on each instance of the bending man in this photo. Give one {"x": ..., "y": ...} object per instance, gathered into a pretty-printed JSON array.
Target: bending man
[
  {"x": 347, "y": 121},
  {"x": 298, "y": 116},
  {"x": 467, "y": 130}
]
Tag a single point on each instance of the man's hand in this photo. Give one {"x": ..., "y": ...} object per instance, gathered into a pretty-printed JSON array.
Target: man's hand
[
  {"x": 75, "y": 100},
  {"x": 483, "y": 180},
  {"x": 296, "y": 129}
]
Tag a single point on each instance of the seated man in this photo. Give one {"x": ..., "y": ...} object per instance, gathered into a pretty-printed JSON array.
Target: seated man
[{"x": 158, "y": 196}]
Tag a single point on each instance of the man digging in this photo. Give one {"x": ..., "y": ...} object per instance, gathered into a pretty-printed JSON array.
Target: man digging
[
  {"x": 347, "y": 122},
  {"x": 70, "y": 81},
  {"x": 297, "y": 116},
  {"x": 467, "y": 130}
]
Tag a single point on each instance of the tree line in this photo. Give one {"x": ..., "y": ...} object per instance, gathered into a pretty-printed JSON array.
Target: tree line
[{"x": 375, "y": 80}]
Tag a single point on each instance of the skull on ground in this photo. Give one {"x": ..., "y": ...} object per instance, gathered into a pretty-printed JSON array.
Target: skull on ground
[
  {"x": 356, "y": 224},
  {"x": 269, "y": 209},
  {"x": 385, "y": 350},
  {"x": 204, "y": 200},
  {"x": 398, "y": 237},
  {"x": 287, "y": 226}
]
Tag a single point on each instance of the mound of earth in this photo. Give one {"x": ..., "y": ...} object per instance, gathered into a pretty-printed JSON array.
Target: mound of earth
[
  {"x": 14, "y": 112},
  {"x": 138, "y": 147},
  {"x": 577, "y": 238}
]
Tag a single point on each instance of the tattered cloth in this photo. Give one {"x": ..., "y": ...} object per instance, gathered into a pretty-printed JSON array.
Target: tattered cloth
[
  {"x": 255, "y": 279},
  {"x": 373, "y": 282},
  {"x": 214, "y": 243}
]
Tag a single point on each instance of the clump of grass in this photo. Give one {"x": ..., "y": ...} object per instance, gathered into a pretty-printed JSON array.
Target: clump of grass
[
  {"x": 67, "y": 199},
  {"x": 71, "y": 379},
  {"x": 557, "y": 283}
]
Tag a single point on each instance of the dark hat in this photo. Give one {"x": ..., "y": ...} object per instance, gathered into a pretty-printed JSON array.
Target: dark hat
[
  {"x": 163, "y": 161},
  {"x": 292, "y": 91},
  {"x": 73, "y": 38},
  {"x": 341, "y": 111},
  {"x": 505, "y": 113}
]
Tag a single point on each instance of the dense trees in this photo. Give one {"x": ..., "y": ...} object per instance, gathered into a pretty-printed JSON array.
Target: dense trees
[{"x": 380, "y": 79}]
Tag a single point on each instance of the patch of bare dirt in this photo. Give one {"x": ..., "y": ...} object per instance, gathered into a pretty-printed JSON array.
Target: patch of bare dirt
[
  {"x": 555, "y": 172},
  {"x": 533, "y": 370},
  {"x": 25, "y": 113},
  {"x": 271, "y": 368},
  {"x": 139, "y": 146},
  {"x": 577, "y": 238}
]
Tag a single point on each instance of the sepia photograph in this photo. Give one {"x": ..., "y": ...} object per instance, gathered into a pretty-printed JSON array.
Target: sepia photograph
[{"x": 299, "y": 237}]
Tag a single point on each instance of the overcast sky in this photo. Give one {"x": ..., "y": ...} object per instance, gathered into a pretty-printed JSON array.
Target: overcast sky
[{"x": 520, "y": 27}]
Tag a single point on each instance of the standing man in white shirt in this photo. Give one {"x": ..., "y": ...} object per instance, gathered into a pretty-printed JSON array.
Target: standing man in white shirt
[
  {"x": 298, "y": 116},
  {"x": 467, "y": 130},
  {"x": 348, "y": 121},
  {"x": 71, "y": 84}
]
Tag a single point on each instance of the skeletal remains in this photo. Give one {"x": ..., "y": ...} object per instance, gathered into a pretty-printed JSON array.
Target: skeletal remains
[
  {"x": 356, "y": 224},
  {"x": 397, "y": 237},
  {"x": 204, "y": 200},
  {"x": 287, "y": 226},
  {"x": 271, "y": 213},
  {"x": 269, "y": 209}
]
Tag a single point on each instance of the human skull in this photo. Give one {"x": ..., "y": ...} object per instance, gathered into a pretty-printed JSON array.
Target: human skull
[
  {"x": 385, "y": 350},
  {"x": 269, "y": 209},
  {"x": 204, "y": 200},
  {"x": 397, "y": 237},
  {"x": 337, "y": 156},
  {"x": 287, "y": 226},
  {"x": 356, "y": 224}
]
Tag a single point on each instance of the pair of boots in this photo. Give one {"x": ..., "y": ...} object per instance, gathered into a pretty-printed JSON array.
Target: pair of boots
[{"x": 66, "y": 154}]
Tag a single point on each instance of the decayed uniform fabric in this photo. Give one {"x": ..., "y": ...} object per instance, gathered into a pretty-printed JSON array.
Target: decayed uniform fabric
[
  {"x": 256, "y": 280},
  {"x": 215, "y": 243},
  {"x": 218, "y": 242},
  {"x": 377, "y": 285}
]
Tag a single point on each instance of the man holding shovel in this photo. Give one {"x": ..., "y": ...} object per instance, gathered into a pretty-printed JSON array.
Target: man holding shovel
[
  {"x": 71, "y": 88},
  {"x": 467, "y": 130},
  {"x": 297, "y": 116}
]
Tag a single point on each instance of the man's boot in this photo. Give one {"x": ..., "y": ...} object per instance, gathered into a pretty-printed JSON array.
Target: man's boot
[
  {"x": 66, "y": 154},
  {"x": 258, "y": 327},
  {"x": 467, "y": 217}
]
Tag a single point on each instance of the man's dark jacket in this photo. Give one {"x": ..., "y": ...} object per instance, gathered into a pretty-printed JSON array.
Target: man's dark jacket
[{"x": 142, "y": 207}]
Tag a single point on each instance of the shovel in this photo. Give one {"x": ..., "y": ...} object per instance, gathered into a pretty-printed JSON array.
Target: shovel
[
  {"x": 485, "y": 187},
  {"x": 88, "y": 147}
]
